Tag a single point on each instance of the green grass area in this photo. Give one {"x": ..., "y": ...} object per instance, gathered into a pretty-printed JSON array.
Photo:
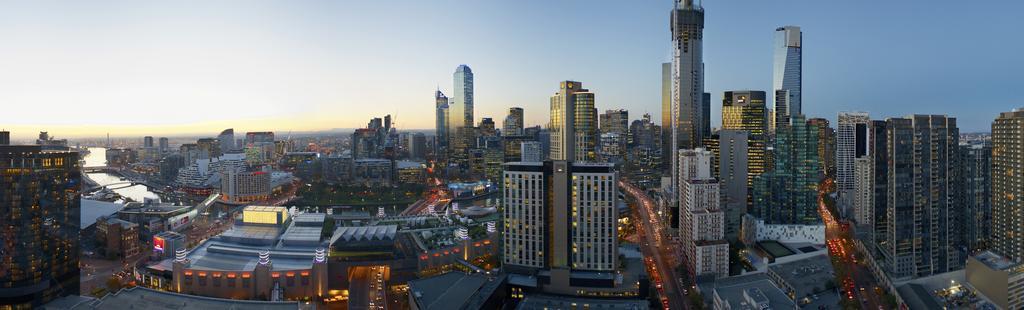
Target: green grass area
[{"x": 322, "y": 194}]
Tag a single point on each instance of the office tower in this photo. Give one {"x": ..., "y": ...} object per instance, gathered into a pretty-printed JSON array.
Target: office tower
[
  {"x": 5, "y": 137},
  {"x": 487, "y": 127},
  {"x": 208, "y": 148},
  {"x": 788, "y": 194},
  {"x": 164, "y": 144},
  {"x": 1008, "y": 184},
  {"x": 441, "y": 119},
  {"x": 39, "y": 200},
  {"x": 733, "y": 175},
  {"x": 227, "y": 140},
  {"x": 666, "y": 117},
  {"x": 976, "y": 220},
  {"x": 787, "y": 75},
  {"x": 460, "y": 105},
  {"x": 513, "y": 125},
  {"x": 614, "y": 135},
  {"x": 616, "y": 121},
  {"x": 922, "y": 210},
  {"x": 530, "y": 151},
  {"x": 147, "y": 142},
  {"x": 573, "y": 119},
  {"x": 417, "y": 145},
  {"x": 851, "y": 143},
  {"x": 826, "y": 145},
  {"x": 702, "y": 223},
  {"x": 745, "y": 110},
  {"x": 644, "y": 157},
  {"x": 687, "y": 22}
]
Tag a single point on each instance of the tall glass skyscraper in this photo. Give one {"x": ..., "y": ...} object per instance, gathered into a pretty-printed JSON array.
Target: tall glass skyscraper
[
  {"x": 461, "y": 103},
  {"x": 788, "y": 193},
  {"x": 687, "y": 121},
  {"x": 573, "y": 120},
  {"x": 39, "y": 226},
  {"x": 441, "y": 119},
  {"x": 787, "y": 75}
]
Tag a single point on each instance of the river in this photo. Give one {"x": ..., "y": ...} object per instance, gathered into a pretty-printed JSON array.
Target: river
[{"x": 98, "y": 158}]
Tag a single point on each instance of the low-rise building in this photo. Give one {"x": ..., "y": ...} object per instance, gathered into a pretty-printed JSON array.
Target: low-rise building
[
  {"x": 411, "y": 172},
  {"x": 457, "y": 290},
  {"x": 997, "y": 278},
  {"x": 165, "y": 244},
  {"x": 119, "y": 238},
  {"x": 749, "y": 292}
]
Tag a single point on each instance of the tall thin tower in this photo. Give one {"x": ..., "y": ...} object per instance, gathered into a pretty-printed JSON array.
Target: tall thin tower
[
  {"x": 687, "y": 85},
  {"x": 787, "y": 75}
]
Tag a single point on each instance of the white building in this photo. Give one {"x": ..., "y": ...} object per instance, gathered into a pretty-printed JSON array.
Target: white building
[
  {"x": 242, "y": 186},
  {"x": 701, "y": 220},
  {"x": 851, "y": 143}
]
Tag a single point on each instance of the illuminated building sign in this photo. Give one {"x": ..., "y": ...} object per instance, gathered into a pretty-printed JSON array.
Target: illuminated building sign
[
  {"x": 158, "y": 244},
  {"x": 264, "y": 215}
]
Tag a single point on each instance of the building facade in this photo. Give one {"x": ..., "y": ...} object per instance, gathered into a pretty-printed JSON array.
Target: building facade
[
  {"x": 702, "y": 222},
  {"x": 39, "y": 198},
  {"x": 1008, "y": 184},
  {"x": 976, "y": 175},
  {"x": 921, "y": 237},
  {"x": 788, "y": 194},
  {"x": 687, "y": 79}
]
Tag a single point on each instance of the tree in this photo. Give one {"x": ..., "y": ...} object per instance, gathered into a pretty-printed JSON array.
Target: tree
[{"x": 113, "y": 284}]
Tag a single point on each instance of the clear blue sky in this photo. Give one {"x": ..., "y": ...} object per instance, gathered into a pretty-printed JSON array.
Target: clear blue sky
[{"x": 132, "y": 67}]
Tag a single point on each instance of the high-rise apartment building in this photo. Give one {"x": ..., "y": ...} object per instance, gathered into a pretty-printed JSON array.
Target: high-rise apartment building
[
  {"x": 616, "y": 121},
  {"x": 5, "y": 137},
  {"x": 1008, "y": 184},
  {"x": 164, "y": 145},
  {"x": 513, "y": 125},
  {"x": 921, "y": 237},
  {"x": 666, "y": 118},
  {"x": 687, "y": 78},
  {"x": 227, "y": 140},
  {"x": 976, "y": 175},
  {"x": 788, "y": 193},
  {"x": 852, "y": 143},
  {"x": 147, "y": 142},
  {"x": 39, "y": 200},
  {"x": 787, "y": 74},
  {"x": 573, "y": 119},
  {"x": 560, "y": 216},
  {"x": 702, "y": 222},
  {"x": 530, "y": 151},
  {"x": 826, "y": 145}
]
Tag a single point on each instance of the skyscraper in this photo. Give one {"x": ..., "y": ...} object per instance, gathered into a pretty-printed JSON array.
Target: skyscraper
[
  {"x": 616, "y": 121},
  {"x": 788, "y": 193},
  {"x": 922, "y": 206},
  {"x": 441, "y": 119},
  {"x": 513, "y": 125},
  {"x": 1008, "y": 184},
  {"x": 560, "y": 216},
  {"x": 976, "y": 220},
  {"x": 5, "y": 137},
  {"x": 39, "y": 200},
  {"x": 164, "y": 144},
  {"x": 745, "y": 110},
  {"x": 733, "y": 176},
  {"x": 666, "y": 118},
  {"x": 686, "y": 123},
  {"x": 227, "y": 140},
  {"x": 826, "y": 145},
  {"x": 573, "y": 119},
  {"x": 851, "y": 143},
  {"x": 147, "y": 142},
  {"x": 787, "y": 75},
  {"x": 461, "y": 136}
]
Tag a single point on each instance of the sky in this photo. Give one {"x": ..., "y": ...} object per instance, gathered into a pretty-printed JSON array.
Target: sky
[{"x": 134, "y": 68}]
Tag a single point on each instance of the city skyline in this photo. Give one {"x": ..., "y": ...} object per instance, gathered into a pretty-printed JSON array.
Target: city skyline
[{"x": 285, "y": 67}]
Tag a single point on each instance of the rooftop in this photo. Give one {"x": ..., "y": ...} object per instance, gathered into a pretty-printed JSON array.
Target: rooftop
[
  {"x": 144, "y": 298},
  {"x": 453, "y": 290},
  {"x": 806, "y": 275},
  {"x": 540, "y": 301},
  {"x": 741, "y": 292}
]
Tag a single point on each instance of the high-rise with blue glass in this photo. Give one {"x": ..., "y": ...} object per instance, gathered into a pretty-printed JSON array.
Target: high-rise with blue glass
[{"x": 787, "y": 74}]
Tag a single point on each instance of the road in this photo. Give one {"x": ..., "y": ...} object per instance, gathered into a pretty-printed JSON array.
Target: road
[
  {"x": 857, "y": 284},
  {"x": 359, "y": 289},
  {"x": 658, "y": 251}
]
